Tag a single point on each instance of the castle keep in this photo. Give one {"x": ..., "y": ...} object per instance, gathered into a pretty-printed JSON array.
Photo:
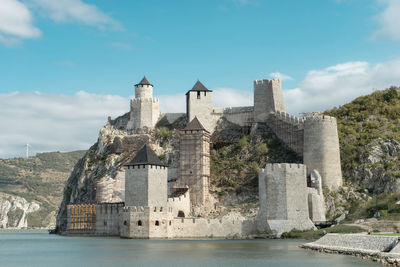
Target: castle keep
[{"x": 162, "y": 201}]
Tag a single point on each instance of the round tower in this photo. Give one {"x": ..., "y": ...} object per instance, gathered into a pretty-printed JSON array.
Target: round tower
[
  {"x": 321, "y": 149},
  {"x": 144, "y": 89}
]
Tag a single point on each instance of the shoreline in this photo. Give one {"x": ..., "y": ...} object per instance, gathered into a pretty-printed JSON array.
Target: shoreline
[{"x": 383, "y": 249}]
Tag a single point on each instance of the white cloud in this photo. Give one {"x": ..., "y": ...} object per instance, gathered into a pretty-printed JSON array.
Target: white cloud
[
  {"x": 280, "y": 76},
  {"x": 76, "y": 11},
  {"x": 16, "y": 23},
  {"x": 54, "y": 122},
  {"x": 389, "y": 20},
  {"x": 339, "y": 84},
  {"x": 51, "y": 122}
]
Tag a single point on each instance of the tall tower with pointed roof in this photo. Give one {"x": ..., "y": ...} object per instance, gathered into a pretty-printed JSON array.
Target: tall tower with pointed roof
[
  {"x": 194, "y": 161},
  {"x": 146, "y": 179},
  {"x": 199, "y": 104},
  {"x": 145, "y": 109}
]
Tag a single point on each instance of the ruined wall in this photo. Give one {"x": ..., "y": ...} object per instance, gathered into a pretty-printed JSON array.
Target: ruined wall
[
  {"x": 268, "y": 98},
  {"x": 200, "y": 107},
  {"x": 194, "y": 164},
  {"x": 321, "y": 149},
  {"x": 283, "y": 198},
  {"x": 316, "y": 200},
  {"x": 146, "y": 185},
  {"x": 289, "y": 129}
]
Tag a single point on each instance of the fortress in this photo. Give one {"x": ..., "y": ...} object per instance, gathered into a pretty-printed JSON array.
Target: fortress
[{"x": 156, "y": 206}]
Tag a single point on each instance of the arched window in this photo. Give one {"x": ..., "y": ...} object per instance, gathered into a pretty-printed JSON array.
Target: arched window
[
  {"x": 181, "y": 214},
  {"x": 125, "y": 223},
  {"x": 139, "y": 223},
  {"x": 157, "y": 223}
]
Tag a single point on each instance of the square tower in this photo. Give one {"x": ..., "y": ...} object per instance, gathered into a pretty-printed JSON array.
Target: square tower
[
  {"x": 199, "y": 104},
  {"x": 268, "y": 98},
  {"x": 146, "y": 180},
  {"x": 283, "y": 198},
  {"x": 194, "y": 164}
]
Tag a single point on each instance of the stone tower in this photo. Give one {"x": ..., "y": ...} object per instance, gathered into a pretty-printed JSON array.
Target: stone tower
[
  {"x": 199, "y": 104},
  {"x": 194, "y": 164},
  {"x": 146, "y": 180},
  {"x": 283, "y": 198},
  {"x": 145, "y": 109},
  {"x": 321, "y": 149},
  {"x": 268, "y": 98}
]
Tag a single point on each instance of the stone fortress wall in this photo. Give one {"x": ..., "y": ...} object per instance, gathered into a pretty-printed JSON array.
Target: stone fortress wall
[
  {"x": 159, "y": 222},
  {"x": 289, "y": 129},
  {"x": 180, "y": 204},
  {"x": 143, "y": 181},
  {"x": 283, "y": 199},
  {"x": 321, "y": 149}
]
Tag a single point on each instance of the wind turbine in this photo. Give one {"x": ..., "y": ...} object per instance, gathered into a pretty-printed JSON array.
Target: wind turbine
[{"x": 27, "y": 150}]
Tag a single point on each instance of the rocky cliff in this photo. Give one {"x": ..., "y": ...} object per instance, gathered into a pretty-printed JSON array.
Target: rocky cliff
[
  {"x": 37, "y": 179},
  {"x": 14, "y": 211}
]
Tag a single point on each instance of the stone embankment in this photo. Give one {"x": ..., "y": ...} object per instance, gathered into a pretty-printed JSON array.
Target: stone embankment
[{"x": 384, "y": 249}]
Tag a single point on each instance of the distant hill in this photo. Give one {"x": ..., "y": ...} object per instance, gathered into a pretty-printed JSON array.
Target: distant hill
[{"x": 40, "y": 179}]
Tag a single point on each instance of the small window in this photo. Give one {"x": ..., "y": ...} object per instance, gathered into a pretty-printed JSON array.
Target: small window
[
  {"x": 181, "y": 214},
  {"x": 157, "y": 223},
  {"x": 169, "y": 222},
  {"x": 205, "y": 93},
  {"x": 105, "y": 223},
  {"x": 125, "y": 223},
  {"x": 198, "y": 94},
  {"x": 139, "y": 223}
]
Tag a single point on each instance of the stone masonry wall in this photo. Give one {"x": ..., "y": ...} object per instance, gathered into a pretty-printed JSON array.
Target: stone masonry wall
[
  {"x": 200, "y": 107},
  {"x": 321, "y": 149},
  {"x": 283, "y": 198},
  {"x": 268, "y": 98},
  {"x": 146, "y": 185},
  {"x": 289, "y": 129}
]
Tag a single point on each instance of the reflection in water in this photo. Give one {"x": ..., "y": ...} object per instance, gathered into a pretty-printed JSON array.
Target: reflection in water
[{"x": 31, "y": 248}]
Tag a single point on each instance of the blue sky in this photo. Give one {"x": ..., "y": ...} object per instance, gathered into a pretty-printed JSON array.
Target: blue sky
[
  {"x": 224, "y": 43},
  {"x": 83, "y": 56}
]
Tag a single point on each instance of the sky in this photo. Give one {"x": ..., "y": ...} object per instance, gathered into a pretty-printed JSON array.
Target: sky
[{"x": 65, "y": 65}]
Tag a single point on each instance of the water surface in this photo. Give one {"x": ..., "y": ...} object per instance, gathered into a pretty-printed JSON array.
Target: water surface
[{"x": 37, "y": 248}]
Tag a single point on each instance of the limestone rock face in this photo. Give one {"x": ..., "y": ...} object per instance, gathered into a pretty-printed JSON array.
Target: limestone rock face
[
  {"x": 100, "y": 175},
  {"x": 13, "y": 211},
  {"x": 378, "y": 170}
]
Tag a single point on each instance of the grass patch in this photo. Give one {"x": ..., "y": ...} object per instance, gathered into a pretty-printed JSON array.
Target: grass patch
[{"x": 311, "y": 234}]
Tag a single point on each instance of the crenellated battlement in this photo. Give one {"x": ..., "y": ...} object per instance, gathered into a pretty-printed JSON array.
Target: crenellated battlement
[
  {"x": 321, "y": 118},
  {"x": 267, "y": 82},
  {"x": 181, "y": 198},
  {"x": 284, "y": 166},
  {"x": 234, "y": 110},
  {"x": 144, "y": 100},
  {"x": 147, "y": 209}
]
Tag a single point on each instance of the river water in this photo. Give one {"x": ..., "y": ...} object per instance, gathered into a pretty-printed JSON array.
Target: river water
[{"x": 37, "y": 248}]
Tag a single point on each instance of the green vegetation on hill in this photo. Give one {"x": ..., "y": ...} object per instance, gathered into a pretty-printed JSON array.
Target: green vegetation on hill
[
  {"x": 40, "y": 179},
  {"x": 234, "y": 166},
  {"x": 364, "y": 120}
]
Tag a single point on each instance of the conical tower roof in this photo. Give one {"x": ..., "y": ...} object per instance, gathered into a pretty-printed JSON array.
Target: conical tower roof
[
  {"x": 198, "y": 86},
  {"x": 195, "y": 124},
  {"x": 146, "y": 156},
  {"x": 144, "y": 81}
]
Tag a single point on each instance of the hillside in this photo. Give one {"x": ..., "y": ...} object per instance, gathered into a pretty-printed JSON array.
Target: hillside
[
  {"x": 369, "y": 135},
  {"x": 38, "y": 179}
]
